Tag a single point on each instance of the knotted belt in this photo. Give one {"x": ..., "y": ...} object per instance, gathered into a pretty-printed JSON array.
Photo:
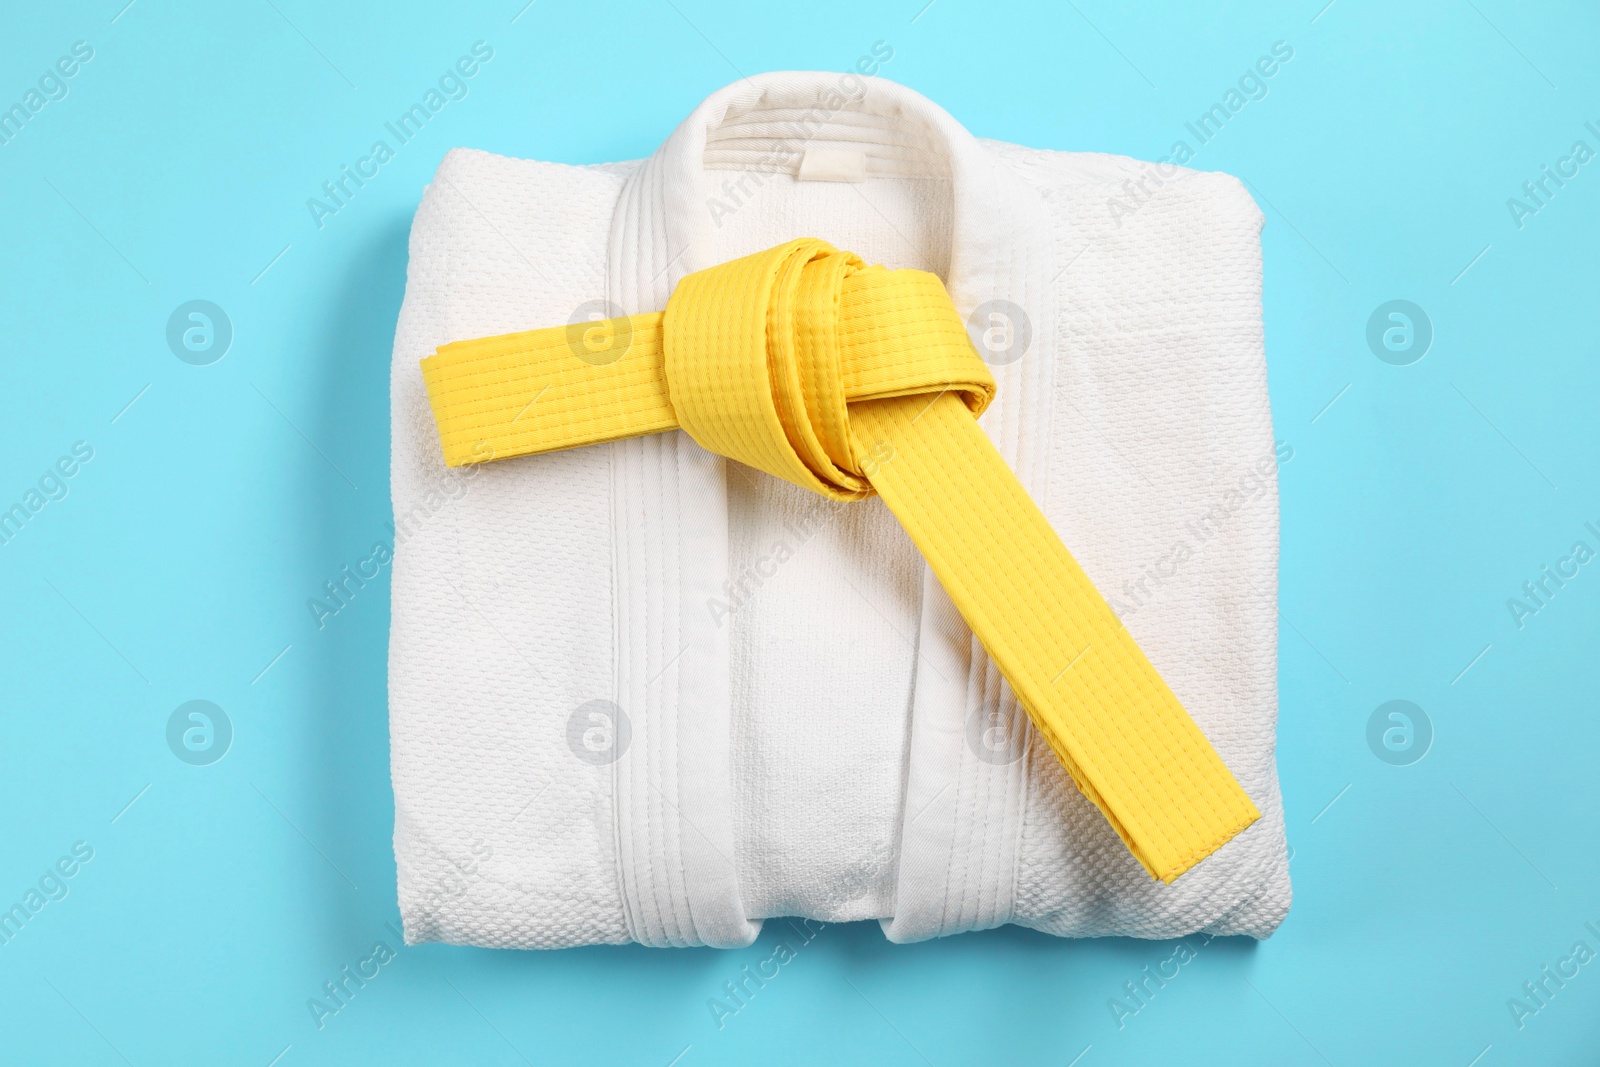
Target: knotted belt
[{"x": 850, "y": 380}]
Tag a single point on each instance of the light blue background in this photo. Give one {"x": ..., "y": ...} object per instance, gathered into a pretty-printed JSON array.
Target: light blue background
[{"x": 179, "y": 565}]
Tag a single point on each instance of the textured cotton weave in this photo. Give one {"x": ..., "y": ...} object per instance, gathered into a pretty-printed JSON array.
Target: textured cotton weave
[{"x": 649, "y": 580}]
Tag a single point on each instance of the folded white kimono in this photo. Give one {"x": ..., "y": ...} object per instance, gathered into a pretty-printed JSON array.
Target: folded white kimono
[{"x": 642, "y": 693}]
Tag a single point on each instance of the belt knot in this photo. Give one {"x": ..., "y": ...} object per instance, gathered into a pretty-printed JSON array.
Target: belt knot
[{"x": 765, "y": 354}]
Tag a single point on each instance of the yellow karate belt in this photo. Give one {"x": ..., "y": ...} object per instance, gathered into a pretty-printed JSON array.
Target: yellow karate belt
[{"x": 850, "y": 380}]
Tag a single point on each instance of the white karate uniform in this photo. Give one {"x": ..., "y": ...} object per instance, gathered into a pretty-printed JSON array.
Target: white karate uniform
[{"x": 641, "y": 693}]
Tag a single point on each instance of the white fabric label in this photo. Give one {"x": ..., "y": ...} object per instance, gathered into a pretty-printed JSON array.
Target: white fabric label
[{"x": 833, "y": 165}]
